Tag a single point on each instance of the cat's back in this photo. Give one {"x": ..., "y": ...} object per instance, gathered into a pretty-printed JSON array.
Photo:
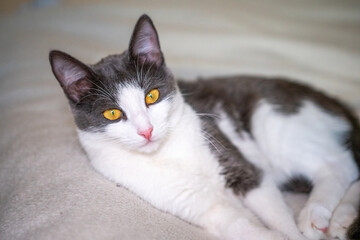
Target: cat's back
[
  {"x": 240, "y": 96},
  {"x": 246, "y": 91}
]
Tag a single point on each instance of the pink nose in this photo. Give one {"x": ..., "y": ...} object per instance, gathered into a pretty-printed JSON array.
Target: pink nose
[{"x": 147, "y": 133}]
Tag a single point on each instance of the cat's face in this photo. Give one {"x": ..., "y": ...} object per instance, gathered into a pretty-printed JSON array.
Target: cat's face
[{"x": 126, "y": 98}]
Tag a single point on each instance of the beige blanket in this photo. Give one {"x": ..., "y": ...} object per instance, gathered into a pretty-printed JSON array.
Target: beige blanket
[{"x": 47, "y": 188}]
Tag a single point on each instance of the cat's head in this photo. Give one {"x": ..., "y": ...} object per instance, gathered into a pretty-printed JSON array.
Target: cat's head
[{"x": 127, "y": 98}]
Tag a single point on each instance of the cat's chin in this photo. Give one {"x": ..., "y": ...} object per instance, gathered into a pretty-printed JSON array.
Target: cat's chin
[{"x": 149, "y": 147}]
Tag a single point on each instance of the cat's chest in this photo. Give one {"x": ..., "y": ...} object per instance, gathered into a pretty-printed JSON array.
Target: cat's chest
[
  {"x": 171, "y": 180},
  {"x": 184, "y": 165},
  {"x": 183, "y": 154}
]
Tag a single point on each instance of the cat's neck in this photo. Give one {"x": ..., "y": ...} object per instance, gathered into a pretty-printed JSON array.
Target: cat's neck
[
  {"x": 185, "y": 131},
  {"x": 179, "y": 107}
]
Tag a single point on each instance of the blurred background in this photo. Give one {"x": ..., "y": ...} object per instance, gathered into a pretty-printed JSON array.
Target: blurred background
[
  {"x": 314, "y": 41},
  {"x": 47, "y": 189}
]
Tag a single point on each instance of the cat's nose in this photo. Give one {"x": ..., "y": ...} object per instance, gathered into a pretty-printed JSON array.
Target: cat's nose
[{"x": 146, "y": 133}]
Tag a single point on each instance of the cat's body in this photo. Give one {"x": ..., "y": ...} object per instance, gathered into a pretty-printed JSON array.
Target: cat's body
[{"x": 220, "y": 151}]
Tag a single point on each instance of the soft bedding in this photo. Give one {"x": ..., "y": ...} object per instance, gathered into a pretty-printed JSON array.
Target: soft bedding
[{"x": 47, "y": 188}]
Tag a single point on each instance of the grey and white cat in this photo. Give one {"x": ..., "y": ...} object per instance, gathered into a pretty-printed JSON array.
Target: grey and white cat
[{"x": 218, "y": 154}]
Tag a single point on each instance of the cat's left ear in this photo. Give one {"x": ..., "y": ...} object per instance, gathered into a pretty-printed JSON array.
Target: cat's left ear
[
  {"x": 75, "y": 77},
  {"x": 144, "y": 44}
]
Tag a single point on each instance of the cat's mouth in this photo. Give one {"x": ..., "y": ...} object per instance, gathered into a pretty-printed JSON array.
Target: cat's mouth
[
  {"x": 150, "y": 142},
  {"x": 150, "y": 145}
]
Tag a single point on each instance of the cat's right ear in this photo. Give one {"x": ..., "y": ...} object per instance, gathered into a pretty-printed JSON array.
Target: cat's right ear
[
  {"x": 144, "y": 44},
  {"x": 75, "y": 77}
]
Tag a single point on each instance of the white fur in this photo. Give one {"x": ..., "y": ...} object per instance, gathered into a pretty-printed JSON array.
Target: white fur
[{"x": 177, "y": 173}]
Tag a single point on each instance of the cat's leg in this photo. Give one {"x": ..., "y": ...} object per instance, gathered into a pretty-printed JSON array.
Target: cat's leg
[
  {"x": 345, "y": 213},
  {"x": 231, "y": 222},
  {"x": 329, "y": 188},
  {"x": 268, "y": 203}
]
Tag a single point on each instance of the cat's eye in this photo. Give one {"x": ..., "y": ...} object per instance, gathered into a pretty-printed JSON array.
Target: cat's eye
[
  {"x": 112, "y": 114},
  {"x": 152, "y": 96}
]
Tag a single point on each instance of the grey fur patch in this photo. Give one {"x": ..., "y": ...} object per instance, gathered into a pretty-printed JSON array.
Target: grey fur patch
[
  {"x": 298, "y": 184},
  {"x": 204, "y": 96},
  {"x": 239, "y": 96},
  {"x": 240, "y": 175}
]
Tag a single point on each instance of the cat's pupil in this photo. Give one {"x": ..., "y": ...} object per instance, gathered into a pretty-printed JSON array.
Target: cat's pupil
[
  {"x": 112, "y": 112},
  {"x": 150, "y": 95}
]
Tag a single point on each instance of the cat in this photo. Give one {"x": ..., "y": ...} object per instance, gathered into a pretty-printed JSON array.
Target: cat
[{"x": 216, "y": 152}]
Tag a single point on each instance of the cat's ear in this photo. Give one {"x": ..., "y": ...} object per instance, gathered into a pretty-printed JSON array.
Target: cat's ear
[
  {"x": 74, "y": 76},
  {"x": 144, "y": 44}
]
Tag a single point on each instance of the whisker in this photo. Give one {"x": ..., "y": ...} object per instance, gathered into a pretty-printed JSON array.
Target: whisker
[
  {"x": 212, "y": 115},
  {"x": 147, "y": 72},
  {"x": 211, "y": 142},
  {"x": 209, "y": 136},
  {"x": 105, "y": 91},
  {"x": 91, "y": 94},
  {"x": 94, "y": 103},
  {"x": 187, "y": 93},
  {"x": 136, "y": 69},
  {"x": 141, "y": 72}
]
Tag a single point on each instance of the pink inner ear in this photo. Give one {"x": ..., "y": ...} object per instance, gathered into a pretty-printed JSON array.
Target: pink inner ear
[
  {"x": 151, "y": 58},
  {"x": 146, "y": 39},
  {"x": 146, "y": 45},
  {"x": 78, "y": 89},
  {"x": 68, "y": 72}
]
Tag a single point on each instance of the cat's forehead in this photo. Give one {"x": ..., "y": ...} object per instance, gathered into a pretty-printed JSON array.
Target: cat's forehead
[
  {"x": 119, "y": 71},
  {"x": 131, "y": 99},
  {"x": 115, "y": 68}
]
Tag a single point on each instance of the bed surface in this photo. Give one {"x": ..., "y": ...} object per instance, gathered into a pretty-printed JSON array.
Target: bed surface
[{"x": 47, "y": 188}]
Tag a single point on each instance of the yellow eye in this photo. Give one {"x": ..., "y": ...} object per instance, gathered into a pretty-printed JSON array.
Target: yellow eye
[
  {"x": 112, "y": 114},
  {"x": 152, "y": 96}
]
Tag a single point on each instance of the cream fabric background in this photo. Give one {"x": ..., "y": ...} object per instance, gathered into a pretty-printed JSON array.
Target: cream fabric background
[{"x": 47, "y": 188}]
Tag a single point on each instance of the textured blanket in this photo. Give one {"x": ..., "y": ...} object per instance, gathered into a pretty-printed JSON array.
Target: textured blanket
[{"x": 47, "y": 188}]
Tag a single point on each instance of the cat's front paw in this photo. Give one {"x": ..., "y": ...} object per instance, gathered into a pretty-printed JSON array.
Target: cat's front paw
[
  {"x": 244, "y": 229},
  {"x": 343, "y": 217},
  {"x": 313, "y": 221}
]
